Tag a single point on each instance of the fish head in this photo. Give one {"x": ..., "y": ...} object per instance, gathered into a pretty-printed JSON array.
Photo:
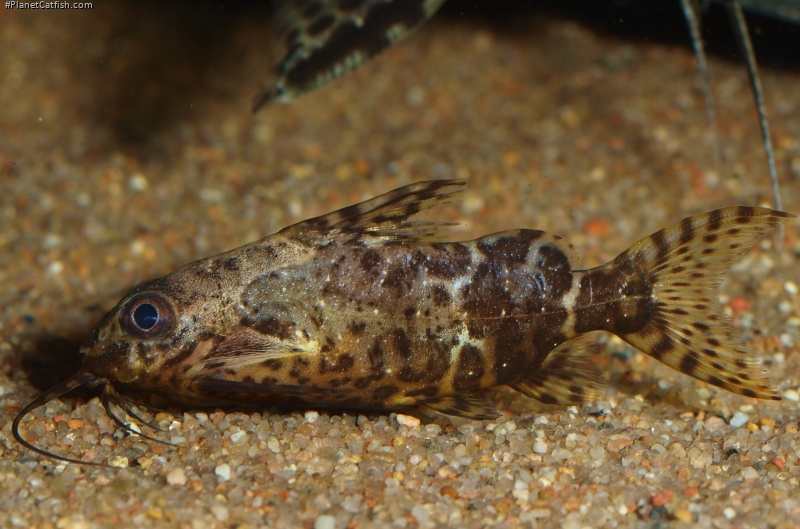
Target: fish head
[
  {"x": 153, "y": 325},
  {"x": 128, "y": 352},
  {"x": 163, "y": 331}
]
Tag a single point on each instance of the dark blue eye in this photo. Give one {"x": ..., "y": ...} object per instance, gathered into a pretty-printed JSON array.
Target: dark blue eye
[{"x": 145, "y": 316}]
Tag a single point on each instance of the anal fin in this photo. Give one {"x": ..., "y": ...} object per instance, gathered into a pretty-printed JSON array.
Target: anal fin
[
  {"x": 567, "y": 376},
  {"x": 472, "y": 406}
]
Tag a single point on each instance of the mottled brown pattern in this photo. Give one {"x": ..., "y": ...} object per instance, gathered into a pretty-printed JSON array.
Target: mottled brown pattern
[
  {"x": 469, "y": 369},
  {"x": 614, "y": 299},
  {"x": 366, "y": 307},
  {"x": 347, "y": 306},
  {"x": 271, "y": 326}
]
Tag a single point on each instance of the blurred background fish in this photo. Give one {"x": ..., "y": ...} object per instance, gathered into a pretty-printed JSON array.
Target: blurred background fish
[{"x": 322, "y": 40}]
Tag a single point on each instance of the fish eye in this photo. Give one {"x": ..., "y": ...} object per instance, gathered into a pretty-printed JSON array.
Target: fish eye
[{"x": 147, "y": 315}]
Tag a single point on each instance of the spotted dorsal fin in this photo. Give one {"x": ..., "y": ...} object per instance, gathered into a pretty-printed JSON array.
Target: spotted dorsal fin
[
  {"x": 321, "y": 40},
  {"x": 391, "y": 217}
]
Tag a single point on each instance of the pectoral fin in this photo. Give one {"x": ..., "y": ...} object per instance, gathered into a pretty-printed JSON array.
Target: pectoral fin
[{"x": 247, "y": 347}]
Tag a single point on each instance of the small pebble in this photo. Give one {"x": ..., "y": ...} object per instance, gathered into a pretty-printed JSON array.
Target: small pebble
[
  {"x": 223, "y": 472},
  {"x": 540, "y": 447},
  {"x": 274, "y": 445},
  {"x": 729, "y": 513},
  {"x": 55, "y": 268},
  {"x": 176, "y": 476},
  {"x": 792, "y": 395},
  {"x": 407, "y": 420},
  {"x": 220, "y": 512},
  {"x": 749, "y": 473},
  {"x": 447, "y": 490},
  {"x": 561, "y": 454},
  {"x": 138, "y": 182},
  {"x": 420, "y": 513},
  {"x": 118, "y": 461},
  {"x": 539, "y": 513},
  {"x": 739, "y": 419},
  {"x": 662, "y": 498},
  {"x": 325, "y": 521}
]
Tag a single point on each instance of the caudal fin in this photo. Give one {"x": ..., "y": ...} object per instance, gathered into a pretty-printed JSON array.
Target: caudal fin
[{"x": 685, "y": 264}]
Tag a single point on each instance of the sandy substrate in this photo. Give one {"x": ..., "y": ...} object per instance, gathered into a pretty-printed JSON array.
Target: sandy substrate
[{"x": 127, "y": 149}]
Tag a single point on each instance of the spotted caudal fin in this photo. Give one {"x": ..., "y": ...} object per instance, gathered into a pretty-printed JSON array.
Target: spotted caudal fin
[{"x": 683, "y": 266}]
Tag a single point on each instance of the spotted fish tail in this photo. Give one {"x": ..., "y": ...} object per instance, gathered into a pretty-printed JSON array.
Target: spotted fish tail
[{"x": 683, "y": 266}]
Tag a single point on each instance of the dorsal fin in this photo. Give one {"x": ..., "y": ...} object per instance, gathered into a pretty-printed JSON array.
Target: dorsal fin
[{"x": 391, "y": 217}]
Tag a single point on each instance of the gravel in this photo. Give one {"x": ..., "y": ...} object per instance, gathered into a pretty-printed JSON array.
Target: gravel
[{"x": 124, "y": 155}]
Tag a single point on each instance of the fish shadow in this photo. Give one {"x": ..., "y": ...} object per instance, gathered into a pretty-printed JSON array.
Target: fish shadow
[
  {"x": 47, "y": 358},
  {"x": 161, "y": 64}
]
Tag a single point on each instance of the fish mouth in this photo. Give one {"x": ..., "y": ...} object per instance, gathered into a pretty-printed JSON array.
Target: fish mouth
[{"x": 80, "y": 379}]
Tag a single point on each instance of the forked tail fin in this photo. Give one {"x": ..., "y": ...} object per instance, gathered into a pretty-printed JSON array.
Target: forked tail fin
[{"x": 684, "y": 265}]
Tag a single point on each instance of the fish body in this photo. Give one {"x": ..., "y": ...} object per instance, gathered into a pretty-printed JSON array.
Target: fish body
[
  {"x": 357, "y": 322},
  {"x": 370, "y": 308}
]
